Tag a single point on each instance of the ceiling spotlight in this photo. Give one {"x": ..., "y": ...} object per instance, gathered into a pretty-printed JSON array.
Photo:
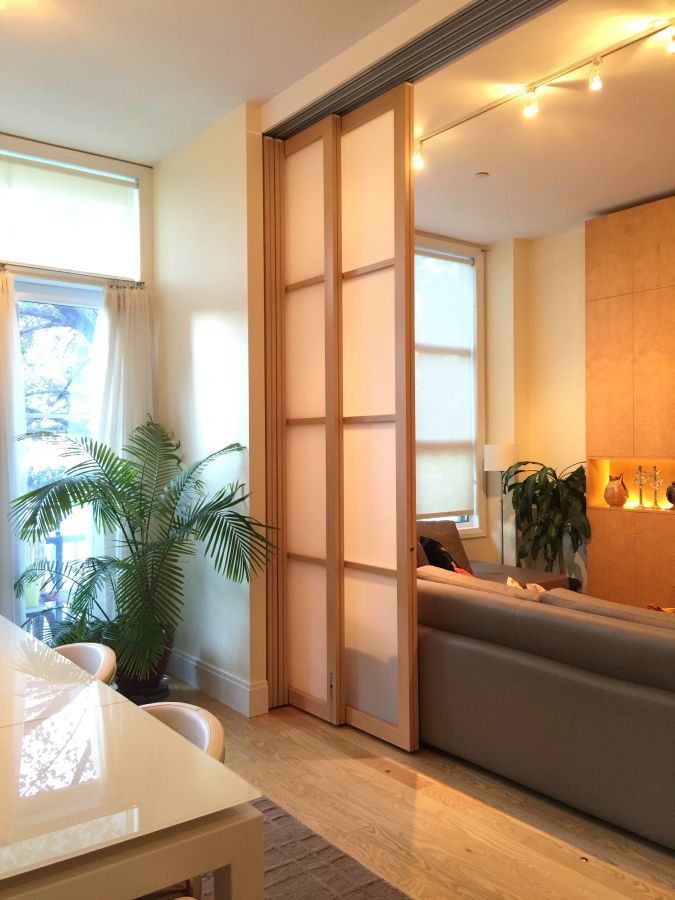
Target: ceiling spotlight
[
  {"x": 594, "y": 77},
  {"x": 670, "y": 34},
  {"x": 482, "y": 174},
  {"x": 417, "y": 158},
  {"x": 531, "y": 108}
]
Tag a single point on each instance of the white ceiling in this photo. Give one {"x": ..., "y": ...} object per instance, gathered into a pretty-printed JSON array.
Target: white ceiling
[
  {"x": 135, "y": 79},
  {"x": 583, "y": 154}
]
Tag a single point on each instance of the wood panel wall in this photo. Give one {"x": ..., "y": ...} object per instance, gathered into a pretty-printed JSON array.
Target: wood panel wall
[{"x": 630, "y": 397}]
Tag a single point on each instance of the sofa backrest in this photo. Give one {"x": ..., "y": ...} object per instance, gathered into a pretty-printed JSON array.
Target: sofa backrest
[
  {"x": 586, "y": 603},
  {"x": 446, "y": 532},
  {"x": 614, "y": 647}
]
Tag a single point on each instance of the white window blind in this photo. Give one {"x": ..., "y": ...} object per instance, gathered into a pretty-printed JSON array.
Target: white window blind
[
  {"x": 66, "y": 218},
  {"x": 445, "y": 375}
]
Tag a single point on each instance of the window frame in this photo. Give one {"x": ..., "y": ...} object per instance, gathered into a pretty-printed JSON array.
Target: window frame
[{"x": 440, "y": 246}]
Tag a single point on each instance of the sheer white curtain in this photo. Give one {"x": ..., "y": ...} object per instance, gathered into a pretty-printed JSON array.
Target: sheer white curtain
[
  {"x": 126, "y": 337},
  {"x": 12, "y": 423}
]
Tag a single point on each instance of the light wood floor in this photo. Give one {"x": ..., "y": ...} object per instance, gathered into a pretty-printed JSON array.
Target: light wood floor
[{"x": 430, "y": 824}]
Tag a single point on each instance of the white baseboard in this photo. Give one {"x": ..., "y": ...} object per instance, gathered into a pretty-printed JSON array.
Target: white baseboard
[{"x": 242, "y": 696}]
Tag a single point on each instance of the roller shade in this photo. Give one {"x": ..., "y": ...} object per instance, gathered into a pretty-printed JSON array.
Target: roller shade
[
  {"x": 445, "y": 375},
  {"x": 64, "y": 218}
]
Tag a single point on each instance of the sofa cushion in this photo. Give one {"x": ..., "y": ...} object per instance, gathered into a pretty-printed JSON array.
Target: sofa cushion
[
  {"x": 496, "y": 572},
  {"x": 618, "y": 648},
  {"x": 621, "y": 649},
  {"x": 464, "y": 610},
  {"x": 446, "y": 532},
  {"x": 588, "y": 604}
]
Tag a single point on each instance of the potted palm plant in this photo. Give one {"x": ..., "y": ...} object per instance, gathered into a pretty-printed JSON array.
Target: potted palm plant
[
  {"x": 549, "y": 507},
  {"x": 156, "y": 513}
]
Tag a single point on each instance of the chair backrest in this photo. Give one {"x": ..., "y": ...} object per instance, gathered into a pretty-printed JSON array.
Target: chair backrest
[
  {"x": 198, "y": 725},
  {"x": 97, "y": 659}
]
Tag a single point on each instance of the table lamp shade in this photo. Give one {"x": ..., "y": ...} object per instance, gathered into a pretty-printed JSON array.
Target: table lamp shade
[{"x": 498, "y": 457}]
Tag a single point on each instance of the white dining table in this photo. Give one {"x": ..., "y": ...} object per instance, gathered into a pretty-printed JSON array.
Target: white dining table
[{"x": 101, "y": 801}]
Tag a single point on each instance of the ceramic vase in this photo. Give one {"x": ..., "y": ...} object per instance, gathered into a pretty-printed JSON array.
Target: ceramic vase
[
  {"x": 616, "y": 492},
  {"x": 670, "y": 493}
]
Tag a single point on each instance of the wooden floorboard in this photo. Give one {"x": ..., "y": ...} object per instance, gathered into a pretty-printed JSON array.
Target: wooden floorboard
[{"x": 435, "y": 827}]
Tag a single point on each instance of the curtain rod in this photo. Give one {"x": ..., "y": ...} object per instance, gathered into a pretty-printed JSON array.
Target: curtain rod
[{"x": 48, "y": 272}]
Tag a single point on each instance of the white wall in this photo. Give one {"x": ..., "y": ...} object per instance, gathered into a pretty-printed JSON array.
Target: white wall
[{"x": 209, "y": 286}]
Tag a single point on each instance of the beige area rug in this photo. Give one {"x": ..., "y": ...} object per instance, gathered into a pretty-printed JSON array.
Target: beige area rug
[{"x": 301, "y": 865}]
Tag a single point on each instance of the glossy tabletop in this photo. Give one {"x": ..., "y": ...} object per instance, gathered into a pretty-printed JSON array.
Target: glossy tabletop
[{"x": 82, "y": 768}]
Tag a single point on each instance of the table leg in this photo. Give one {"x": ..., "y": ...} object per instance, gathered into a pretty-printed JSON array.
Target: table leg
[{"x": 243, "y": 879}]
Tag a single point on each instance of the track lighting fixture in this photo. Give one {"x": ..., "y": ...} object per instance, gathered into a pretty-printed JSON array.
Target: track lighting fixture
[
  {"x": 670, "y": 46},
  {"x": 594, "y": 77},
  {"x": 417, "y": 158},
  {"x": 531, "y": 108}
]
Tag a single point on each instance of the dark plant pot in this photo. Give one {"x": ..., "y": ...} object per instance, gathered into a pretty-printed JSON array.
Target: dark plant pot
[
  {"x": 147, "y": 690},
  {"x": 670, "y": 493}
]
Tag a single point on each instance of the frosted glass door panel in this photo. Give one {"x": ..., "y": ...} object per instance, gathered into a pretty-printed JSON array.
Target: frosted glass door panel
[
  {"x": 306, "y": 490},
  {"x": 371, "y": 644},
  {"x": 305, "y": 353},
  {"x": 306, "y": 619},
  {"x": 370, "y": 494},
  {"x": 368, "y": 192},
  {"x": 304, "y": 214},
  {"x": 368, "y": 336}
]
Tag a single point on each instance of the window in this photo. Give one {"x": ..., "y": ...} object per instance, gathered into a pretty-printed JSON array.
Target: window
[
  {"x": 60, "y": 371},
  {"x": 448, "y": 379}
]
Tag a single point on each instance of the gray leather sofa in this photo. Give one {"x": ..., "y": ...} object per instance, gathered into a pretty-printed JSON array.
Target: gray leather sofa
[{"x": 571, "y": 696}]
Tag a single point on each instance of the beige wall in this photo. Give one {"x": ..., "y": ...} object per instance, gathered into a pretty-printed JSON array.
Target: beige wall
[
  {"x": 535, "y": 362},
  {"x": 373, "y": 47},
  {"x": 209, "y": 286},
  {"x": 556, "y": 393}
]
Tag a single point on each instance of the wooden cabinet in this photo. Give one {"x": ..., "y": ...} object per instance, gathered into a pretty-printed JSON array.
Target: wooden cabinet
[
  {"x": 654, "y": 373},
  {"x": 630, "y": 396},
  {"x": 612, "y": 574},
  {"x": 633, "y": 556},
  {"x": 609, "y": 377}
]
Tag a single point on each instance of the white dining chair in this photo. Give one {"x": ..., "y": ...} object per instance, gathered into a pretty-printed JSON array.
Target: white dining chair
[
  {"x": 198, "y": 725},
  {"x": 97, "y": 659},
  {"x": 203, "y": 730}
]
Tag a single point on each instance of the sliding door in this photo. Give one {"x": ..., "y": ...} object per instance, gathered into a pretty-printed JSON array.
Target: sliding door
[
  {"x": 345, "y": 429},
  {"x": 311, "y": 503},
  {"x": 377, "y": 419}
]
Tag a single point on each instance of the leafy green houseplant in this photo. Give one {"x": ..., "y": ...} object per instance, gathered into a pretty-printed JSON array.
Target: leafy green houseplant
[
  {"x": 157, "y": 513},
  {"x": 549, "y": 507}
]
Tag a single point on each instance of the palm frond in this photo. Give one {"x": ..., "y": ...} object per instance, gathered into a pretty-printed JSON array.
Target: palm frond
[
  {"x": 158, "y": 511},
  {"x": 175, "y": 500},
  {"x": 156, "y": 454}
]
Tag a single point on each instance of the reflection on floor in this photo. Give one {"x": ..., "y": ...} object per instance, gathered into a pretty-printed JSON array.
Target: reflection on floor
[{"x": 431, "y": 825}]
